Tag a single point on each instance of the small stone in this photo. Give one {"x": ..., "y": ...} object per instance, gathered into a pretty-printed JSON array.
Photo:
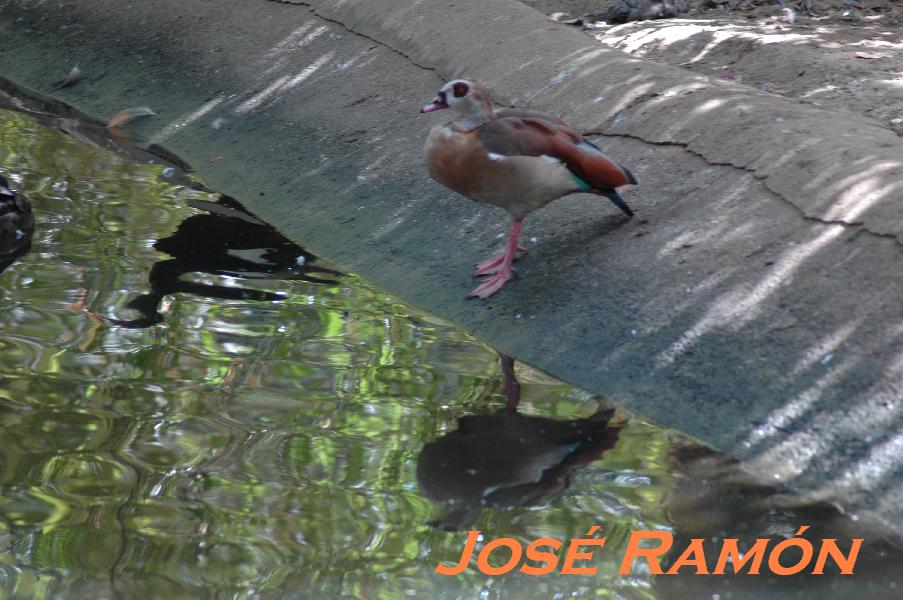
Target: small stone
[{"x": 565, "y": 19}]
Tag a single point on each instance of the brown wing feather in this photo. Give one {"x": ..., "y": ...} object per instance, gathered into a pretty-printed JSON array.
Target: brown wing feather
[
  {"x": 538, "y": 135},
  {"x": 528, "y": 113}
]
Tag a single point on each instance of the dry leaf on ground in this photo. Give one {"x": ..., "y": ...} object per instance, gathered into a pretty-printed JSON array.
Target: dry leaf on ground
[
  {"x": 129, "y": 114},
  {"x": 74, "y": 76}
]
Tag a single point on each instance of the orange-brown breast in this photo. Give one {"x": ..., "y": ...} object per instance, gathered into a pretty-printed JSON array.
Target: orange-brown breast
[{"x": 455, "y": 160}]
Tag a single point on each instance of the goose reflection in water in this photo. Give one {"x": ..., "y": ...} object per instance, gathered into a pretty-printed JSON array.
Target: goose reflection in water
[
  {"x": 508, "y": 459},
  {"x": 227, "y": 241}
]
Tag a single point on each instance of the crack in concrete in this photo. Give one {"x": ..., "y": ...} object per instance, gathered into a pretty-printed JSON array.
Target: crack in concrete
[
  {"x": 643, "y": 98},
  {"x": 762, "y": 178},
  {"x": 313, "y": 10}
]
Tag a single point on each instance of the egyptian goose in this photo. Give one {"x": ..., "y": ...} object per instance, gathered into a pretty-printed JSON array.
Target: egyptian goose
[
  {"x": 16, "y": 219},
  {"x": 514, "y": 158}
]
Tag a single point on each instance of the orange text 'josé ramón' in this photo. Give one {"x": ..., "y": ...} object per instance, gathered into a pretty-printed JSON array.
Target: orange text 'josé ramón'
[{"x": 791, "y": 556}]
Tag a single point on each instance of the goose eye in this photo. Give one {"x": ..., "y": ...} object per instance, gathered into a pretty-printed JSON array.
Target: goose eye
[{"x": 460, "y": 89}]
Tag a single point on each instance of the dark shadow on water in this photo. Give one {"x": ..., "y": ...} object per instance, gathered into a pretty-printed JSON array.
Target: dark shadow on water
[
  {"x": 227, "y": 241},
  {"x": 16, "y": 224},
  {"x": 9, "y": 252},
  {"x": 9, "y": 255},
  {"x": 508, "y": 459}
]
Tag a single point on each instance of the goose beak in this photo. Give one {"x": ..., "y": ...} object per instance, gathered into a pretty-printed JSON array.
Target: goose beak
[{"x": 436, "y": 104}]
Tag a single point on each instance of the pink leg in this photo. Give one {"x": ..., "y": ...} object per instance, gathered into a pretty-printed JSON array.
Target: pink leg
[
  {"x": 502, "y": 271},
  {"x": 491, "y": 266}
]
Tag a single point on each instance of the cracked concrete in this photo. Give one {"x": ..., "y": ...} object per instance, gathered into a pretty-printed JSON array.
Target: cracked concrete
[
  {"x": 358, "y": 33},
  {"x": 733, "y": 307},
  {"x": 761, "y": 178}
]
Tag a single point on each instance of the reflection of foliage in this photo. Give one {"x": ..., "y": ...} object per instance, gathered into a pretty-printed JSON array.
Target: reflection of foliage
[{"x": 240, "y": 447}]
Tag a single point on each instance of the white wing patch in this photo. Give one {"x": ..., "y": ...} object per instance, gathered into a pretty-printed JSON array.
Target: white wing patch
[{"x": 493, "y": 156}]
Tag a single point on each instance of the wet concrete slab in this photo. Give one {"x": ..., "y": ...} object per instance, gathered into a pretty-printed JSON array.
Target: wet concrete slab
[{"x": 752, "y": 303}]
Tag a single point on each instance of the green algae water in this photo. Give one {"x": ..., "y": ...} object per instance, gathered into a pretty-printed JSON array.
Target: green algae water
[{"x": 191, "y": 406}]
